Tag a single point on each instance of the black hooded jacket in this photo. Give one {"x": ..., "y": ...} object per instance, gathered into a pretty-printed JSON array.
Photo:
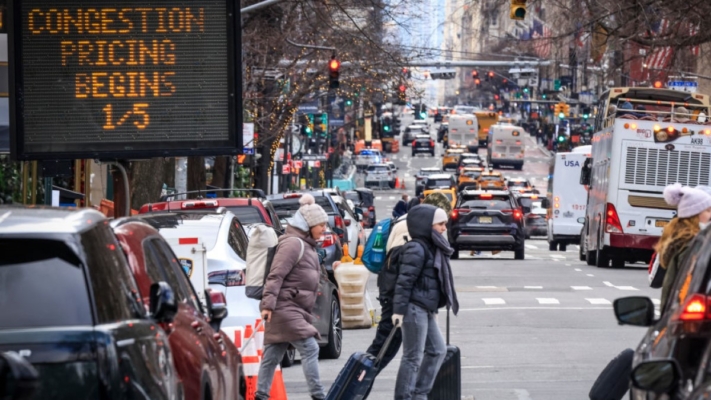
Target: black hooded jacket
[{"x": 418, "y": 281}]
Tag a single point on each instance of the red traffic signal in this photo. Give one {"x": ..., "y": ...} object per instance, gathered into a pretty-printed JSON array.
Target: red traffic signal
[
  {"x": 475, "y": 74},
  {"x": 402, "y": 88},
  {"x": 491, "y": 74},
  {"x": 334, "y": 65},
  {"x": 496, "y": 97},
  {"x": 477, "y": 81}
]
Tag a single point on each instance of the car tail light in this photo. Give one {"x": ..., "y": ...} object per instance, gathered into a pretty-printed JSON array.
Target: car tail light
[
  {"x": 499, "y": 142},
  {"x": 414, "y": 142},
  {"x": 495, "y": 154},
  {"x": 432, "y": 143},
  {"x": 199, "y": 204},
  {"x": 517, "y": 214},
  {"x": 371, "y": 208},
  {"x": 338, "y": 222},
  {"x": 328, "y": 240},
  {"x": 612, "y": 220},
  {"x": 292, "y": 195},
  {"x": 227, "y": 278},
  {"x": 486, "y": 196},
  {"x": 456, "y": 213},
  {"x": 694, "y": 308}
]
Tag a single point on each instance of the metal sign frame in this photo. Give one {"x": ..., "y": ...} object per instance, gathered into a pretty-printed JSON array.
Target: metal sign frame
[{"x": 230, "y": 145}]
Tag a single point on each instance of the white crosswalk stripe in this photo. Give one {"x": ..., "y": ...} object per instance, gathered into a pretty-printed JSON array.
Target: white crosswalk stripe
[
  {"x": 626, "y": 288},
  {"x": 598, "y": 301},
  {"x": 533, "y": 287},
  {"x": 556, "y": 256},
  {"x": 493, "y": 301},
  {"x": 547, "y": 301},
  {"x": 530, "y": 246},
  {"x": 581, "y": 287}
]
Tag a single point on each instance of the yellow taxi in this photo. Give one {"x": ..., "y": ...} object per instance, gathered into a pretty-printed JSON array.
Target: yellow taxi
[
  {"x": 491, "y": 180},
  {"x": 451, "y": 194},
  {"x": 451, "y": 157},
  {"x": 468, "y": 177}
]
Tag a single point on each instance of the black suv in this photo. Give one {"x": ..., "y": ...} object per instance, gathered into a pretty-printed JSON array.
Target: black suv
[
  {"x": 487, "y": 220},
  {"x": 421, "y": 178},
  {"x": 423, "y": 144},
  {"x": 70, "y": 305},
  {"x": 682, "y": 333}
]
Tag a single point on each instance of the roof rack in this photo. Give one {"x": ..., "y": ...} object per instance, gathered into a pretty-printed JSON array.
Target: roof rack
[{"x": 259, "y": 193}]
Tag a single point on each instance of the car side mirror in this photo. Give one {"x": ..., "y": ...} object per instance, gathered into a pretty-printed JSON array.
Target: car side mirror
[
  {"x": 635, "y": 311},
  {"x": 526, "y": 210},
  {"x": 163, "y": 305},
  {"x": 658, "y": 376},
  {"x": 545, "y": 203},
  {"x": 581, "y": 220},
  {"x": 18, "y": 378},
  {"x": 216, "y": 308},
  {"x": 347, "y": 222}
]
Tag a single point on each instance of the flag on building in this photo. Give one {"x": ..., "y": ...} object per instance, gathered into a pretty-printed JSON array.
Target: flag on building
[
  {"x": 660, "y": 58},
  {"x": 541, "y": 34}
]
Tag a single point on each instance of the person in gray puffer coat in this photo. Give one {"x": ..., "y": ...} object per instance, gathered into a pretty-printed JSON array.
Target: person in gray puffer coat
[
  {"x": 424, "y": 285},
  {"x": 290, "y": 294}
]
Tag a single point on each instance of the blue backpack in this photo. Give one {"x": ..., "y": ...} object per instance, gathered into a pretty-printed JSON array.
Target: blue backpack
[{"x": 367, "y": 258}]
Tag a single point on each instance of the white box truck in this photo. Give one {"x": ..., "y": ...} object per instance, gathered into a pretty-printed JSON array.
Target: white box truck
[{"x": 568, "y": 199}]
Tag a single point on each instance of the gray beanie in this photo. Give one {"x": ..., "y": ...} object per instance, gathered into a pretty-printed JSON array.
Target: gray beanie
[
  {"x": 689, "y": 201},
  {"x": 439, "y": 216},
  {"x": 312, "y": 212}
]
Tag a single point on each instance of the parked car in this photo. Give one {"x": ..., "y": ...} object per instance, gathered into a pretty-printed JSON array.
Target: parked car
[
  {"x": 681, "y": 333},
  {"x": 364, "y": 199},
  {"x": 411, "y": 131},
  {"x": 253, "y": 209},
  {"x": 71, "y": 307},
  {"x": 208, "y": 364},
  {"x": 487, "y": 220},
  {"x": 423, "y": 144},
  {"x": 421, "y": 178},
  {"x": 348, "y": 232}
]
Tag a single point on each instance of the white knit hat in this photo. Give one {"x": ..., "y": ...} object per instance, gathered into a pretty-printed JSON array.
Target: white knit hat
[
  {"x": 439, "y": 216},
  {"x": 689, "y": 201},
  {"x": 312, "y": 212}
]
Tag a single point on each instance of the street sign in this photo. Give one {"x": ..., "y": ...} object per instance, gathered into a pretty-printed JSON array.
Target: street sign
[
  {"x": 124, "y": 79},
  {"x": 248, "y": 137},
  {"x": 285, "y": 169},
  {"x": 298, "y": 164},
  {"x": 684, "y": 86}
]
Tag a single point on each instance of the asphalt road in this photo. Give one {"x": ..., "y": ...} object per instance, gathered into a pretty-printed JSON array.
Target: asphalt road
[{"x": 537, "y": 329}]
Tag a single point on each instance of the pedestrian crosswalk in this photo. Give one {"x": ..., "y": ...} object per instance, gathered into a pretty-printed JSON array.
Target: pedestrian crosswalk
[{"x": 595, "y": 301}]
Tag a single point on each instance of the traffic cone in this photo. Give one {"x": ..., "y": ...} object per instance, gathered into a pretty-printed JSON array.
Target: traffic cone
[
  {"x": 278, "y": 391},
  {"x": 397, "y": 183},
  {"x": 250, "y": 363}
]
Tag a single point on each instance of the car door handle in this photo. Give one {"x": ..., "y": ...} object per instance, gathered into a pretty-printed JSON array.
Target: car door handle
[{"x": 196, "y": 325}]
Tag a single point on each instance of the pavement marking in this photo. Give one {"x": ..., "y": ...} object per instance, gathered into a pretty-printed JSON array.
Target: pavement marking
[
  {"x": 626, "y": 288},
  {"x": 407, "y": 174},
  {"x": 530, "y": 246},
  {"x": 656, "y": 302},
  {"x": 527, "y": 257},
  {"x": 522, "y": 394},
  {"x": 577, "y": 269},
  {"x": 492, "y": 301},
  {"x": 542, "y": 300},
  {"x": 568, "y": 265},
  {"x": 534, "y": 308},
  {"x": 598, "y": 301},
  {"x": 486, "y": 287},
  {"x": 378, "y": 197},
  {"x": 391, "y": 197},
  {"x": 608, "y": 284},
  {"x": 477, "y": 366},
  {"x": 557, "y": 256},
  {"x": 533, "y": 287},
  {"x": 591, "y": 275},
  {"x": 581, "y": 287}
]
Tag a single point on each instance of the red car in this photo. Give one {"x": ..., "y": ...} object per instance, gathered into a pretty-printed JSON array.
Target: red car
[
  {"x": 206, "y": 360},
  {"x": 249, "y": 210}
]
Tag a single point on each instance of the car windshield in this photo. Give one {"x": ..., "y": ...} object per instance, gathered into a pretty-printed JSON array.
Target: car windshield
[
  {"x": 495, "y": 203},
  {"x": 439, "y": 182},
  {"x": 424, "y": 172},
  {"x": 378, "y": 168},
  {"x": 287, "y": 207},
  {"x": 518, "y": 184},
  {"x": 41, "y": 285},
  {"x": 471, "y": 174},
  {"x": 247, "y": 215},
  {"x": 490, "y": 178}
]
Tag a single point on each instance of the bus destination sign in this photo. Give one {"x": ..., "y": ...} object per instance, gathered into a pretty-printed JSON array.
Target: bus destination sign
[{"x": 123, "y": 79}]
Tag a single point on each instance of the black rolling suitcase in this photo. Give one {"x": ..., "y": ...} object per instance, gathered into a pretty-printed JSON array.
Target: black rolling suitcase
[
  {"x": 448, "y": 384},
  {"x": 614, "y": 380},
  {"x": 357, "y": 376}
]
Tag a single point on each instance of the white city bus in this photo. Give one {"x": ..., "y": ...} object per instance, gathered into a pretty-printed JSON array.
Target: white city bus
[
  {"x": 505, "y": 146},
  {"x": 464, "y": 129},
  {"x": 635, "y": 154}
]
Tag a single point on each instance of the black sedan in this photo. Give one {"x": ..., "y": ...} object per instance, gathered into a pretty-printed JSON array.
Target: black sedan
[{"x": 423, "y": 144}]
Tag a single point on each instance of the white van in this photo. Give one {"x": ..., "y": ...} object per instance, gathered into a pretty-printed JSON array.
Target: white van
[
  {"x": 505, "y": 146},
  {"x": 568, "y": 199},
  {"x": 464, "y": 129}
]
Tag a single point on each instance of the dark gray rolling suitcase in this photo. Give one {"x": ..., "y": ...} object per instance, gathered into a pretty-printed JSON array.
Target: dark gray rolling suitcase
[
  {"x": 357, "y": 376},
  {"x": 448, "y": 384}
]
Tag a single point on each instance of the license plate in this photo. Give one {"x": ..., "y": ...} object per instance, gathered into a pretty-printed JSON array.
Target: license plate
[
  {"x": 485, "y": 220},
  {"x": 660, "y": 223}
]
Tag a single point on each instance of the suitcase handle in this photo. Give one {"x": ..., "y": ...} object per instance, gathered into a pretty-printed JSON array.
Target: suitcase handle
[{"x": 383, "y": 349}]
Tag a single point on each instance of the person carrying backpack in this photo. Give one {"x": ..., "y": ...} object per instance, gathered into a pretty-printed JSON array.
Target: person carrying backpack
[
  {"x": 289, "y": 296},
  {"x": 424, "y": 284},
  {"x": 400, "y": 208}
]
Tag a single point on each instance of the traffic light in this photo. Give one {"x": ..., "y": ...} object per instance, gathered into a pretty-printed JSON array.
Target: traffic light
[
  {"x": 586, "y": 113},
  {"x": 518, "y": 10},
  {"x": 477, "y": 82},
  {"x": 402, "y": 88},
  {"x": 566, "y": 110},
  {"x": 333, "y": 72},
  {"x": 307, "y": 125},
  {"x": 558, "y": 111},
  {"x": 349, "y": 102},
  {"x": 496, "y": 97},
  {"x": 489, "y": 75},
  {"x": 407, "y": 73},
  {"x": 318, "y": 121},
  {"x": 543, "y": 96},
  {"x": 525, "y": 89},
  {"x": 387, "y": 125},
  {"x": 475, "y": 74},
  {"x": 561, "y": 138}
]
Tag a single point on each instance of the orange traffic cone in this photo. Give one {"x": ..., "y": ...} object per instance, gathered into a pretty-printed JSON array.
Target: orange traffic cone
[
  {"x": 250, "y": 363},
  {"x": 402, "y": 184},
  {"x": 397, "y": 183},
  {"x": 278, "y": 391}
]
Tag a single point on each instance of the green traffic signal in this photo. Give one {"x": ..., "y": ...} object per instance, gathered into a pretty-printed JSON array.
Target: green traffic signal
[
  {"x": 525, "y": 90},
  {"x": 561, "y": 138},
  {"x": 423, "y": 115},
  {"x": 544, "y": 96},
  {"x": 561, "y": 115},
  {"x": 386, "y": 128},
  {"x": 585, "y": 116},
  {"x": 308, "y": 131},
  {"x": 349, "y": 102}
]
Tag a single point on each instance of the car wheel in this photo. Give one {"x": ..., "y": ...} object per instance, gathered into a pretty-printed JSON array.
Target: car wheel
[
  {"x": 432, "y": 153},
  {"x": 332, "y": 350},
  {"x": 413, "y": 153},
  {"x": 618, "y": 262},
  {"x": 552, "y": 246},
  {"x": 602, "y": 260},
  {"x": 591, "y": 258},
  {"x": 289, "y": 357},
  {"x": 581, "y": 253},
  {"x": 520, "y": 253},
  {"x": 563, "y": 247}
]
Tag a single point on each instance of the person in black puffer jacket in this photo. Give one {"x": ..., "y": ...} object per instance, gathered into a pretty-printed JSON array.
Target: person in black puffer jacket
[{"x": 424, "y": 284}]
